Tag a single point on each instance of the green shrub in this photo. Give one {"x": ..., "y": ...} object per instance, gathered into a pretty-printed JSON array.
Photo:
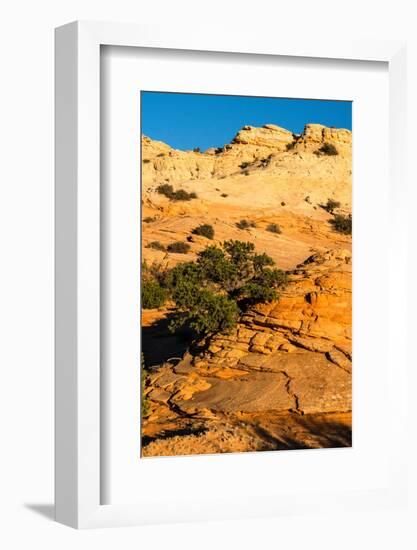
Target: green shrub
[
  {"x": 274, "y": 228},
  {"x": 182, "y": 195},
  {"x": 244, "y": 165},
  {"x": 327, "y": 149},
  {"x": 245, "y": 224},
  {"x": 155, "y": 272},
  {"x": 156, "y": 245},
  {"x": 178, "y": 247},
  {"x": 205, "y": 230},
  {"x": 153, "y": 295},
  {"x": 331, "y": 205},
  {"x": 342, "y": 224},
  {"x": 203, "y": 310},
  {"x": 210, "y": 293},
  {"x": 168, "y": 191},
  {"x": 145, "y": 404}
]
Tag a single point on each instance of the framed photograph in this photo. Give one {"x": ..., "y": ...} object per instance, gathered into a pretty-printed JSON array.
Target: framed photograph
[{"x": 229, "y": 332}]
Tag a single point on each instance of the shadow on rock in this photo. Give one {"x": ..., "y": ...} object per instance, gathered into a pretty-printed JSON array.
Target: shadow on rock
[
  {"x": 306, "y": 432},
  {"x": 168, "y": 434}
]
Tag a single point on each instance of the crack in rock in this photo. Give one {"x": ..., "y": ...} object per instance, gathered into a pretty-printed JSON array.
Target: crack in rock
[{"x": 291, "y": 393}]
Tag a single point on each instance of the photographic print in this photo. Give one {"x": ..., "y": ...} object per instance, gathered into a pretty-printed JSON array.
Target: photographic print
[{"x": 246, "y": 275}]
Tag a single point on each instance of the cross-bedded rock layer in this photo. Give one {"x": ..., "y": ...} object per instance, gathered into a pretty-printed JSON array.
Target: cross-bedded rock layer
[{"x": 289, "y": 357}]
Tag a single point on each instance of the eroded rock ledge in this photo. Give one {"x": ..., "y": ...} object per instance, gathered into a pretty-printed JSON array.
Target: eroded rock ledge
[{"x": 289, "y": 356}]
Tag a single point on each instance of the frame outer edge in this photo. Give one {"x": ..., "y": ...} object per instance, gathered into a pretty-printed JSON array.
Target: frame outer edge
[
  {"x": 88, "y": 275},
  {"x": 399, "y": 250},
  {"x": 77, "y": 240},
  {"x": 66, "y": 346}
]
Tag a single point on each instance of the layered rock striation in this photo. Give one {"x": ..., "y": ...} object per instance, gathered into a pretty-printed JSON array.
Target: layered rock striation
[{"x": 290, "y": 356}]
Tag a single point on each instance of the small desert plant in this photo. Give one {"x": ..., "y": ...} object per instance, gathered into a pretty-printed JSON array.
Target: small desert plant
[
  {"x": 182, "y": 195},
  {"x": 153, "y": 295},
  {"x": 307, "y": 199},
  {"x": 156, "y": 245},
  {"x": 148, "y": 219},
  {"x": 328, "y": 149},
  {"x": 145, "y": 404},
  {"x": 265, "y": 162},
  {"x": 224, "y": 195},
  {"x": 145, "y": 161},
  {"x": 167, "y": 190},
  {"x": 244, "y": 165},
  {"x": 178, "y": 247},
  {"x": 156, "y": 272},
  {"x": 197, "y": 150},
  {"x": 245, "y": 173},
  {"x": 290, "y": 146},
  {"x": 245, "y": 224},
  {"x": 283, "y": 203},
  {"x": 331, "y": 205},
  {"x": 274, "y": 228},
  {"x": 219, "y": 150},
  {"x": 342, "y": 224},
  {"x": 160, "y": 155},
  {"x": 205, "y": 230}
]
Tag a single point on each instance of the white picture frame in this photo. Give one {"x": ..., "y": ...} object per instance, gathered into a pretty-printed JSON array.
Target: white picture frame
[{"x": 77, "y": 242}]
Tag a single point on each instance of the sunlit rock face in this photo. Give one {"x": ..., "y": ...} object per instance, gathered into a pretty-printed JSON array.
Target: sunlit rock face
[{"x": 282, "y": 377}]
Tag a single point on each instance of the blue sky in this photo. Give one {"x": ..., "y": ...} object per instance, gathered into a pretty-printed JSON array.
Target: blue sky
[{"x": 185, "y": 121}]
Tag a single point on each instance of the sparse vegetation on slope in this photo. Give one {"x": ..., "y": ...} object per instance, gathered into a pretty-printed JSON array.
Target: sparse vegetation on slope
[
  {"x": 331, "y": 205},
  {"x": 153, "y": 295},
  {"x": 274, "y": 228},
  {"x": 156, "y": 245},
  {"x": 245, "y": 224},
  {"x": 205, "y": 230},
  {"x": 168, "y": 191},
  {"x": 342, "y": 224},
  {"x": 178, "y": 247},
  {"x": 328, "y": 149}
]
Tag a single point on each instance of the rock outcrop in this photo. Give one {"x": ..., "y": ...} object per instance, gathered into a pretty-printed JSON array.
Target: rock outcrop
[
  {"x": 282, "y": 378},
  {"x": 288, "y": 357},
  {"x": 270, "y": 136},
  {"x": 315, "y": 136},
  {"x": 253, "y": 148},
  {"x": 255, "y": 178}
]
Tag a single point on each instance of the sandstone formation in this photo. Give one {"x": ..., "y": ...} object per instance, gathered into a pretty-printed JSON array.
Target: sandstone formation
[
  {"x": 284, "y": 359},
  {"x": 282, "y": 378},
  {"x": 254, "y": 178}
]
